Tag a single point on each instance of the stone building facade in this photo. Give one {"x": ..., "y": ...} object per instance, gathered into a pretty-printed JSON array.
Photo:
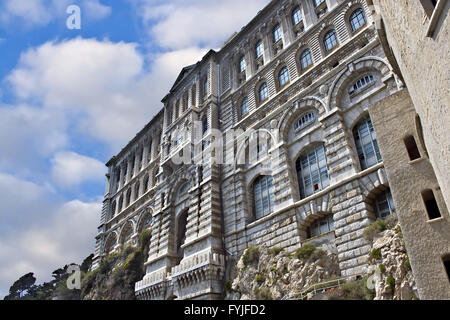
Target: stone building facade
[{"x": 269, "y": 140}]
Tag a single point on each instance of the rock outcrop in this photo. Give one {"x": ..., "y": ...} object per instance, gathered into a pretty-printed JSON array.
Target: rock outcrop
[
  {"x": 264, "y": 273},
  {"x": 389, "y": 267}
]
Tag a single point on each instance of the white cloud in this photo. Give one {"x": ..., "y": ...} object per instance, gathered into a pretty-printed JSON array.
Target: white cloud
[
  {"x": 70, "y": 169},
  {"x": 29, "y": 134},
  {"x": 39, "y": 232},
  {"x": 93, "y": 9},
  {"x": 104, "y": 83},
  {"x": 205, "y": 23},
  {"x": 29, "y": 12}
]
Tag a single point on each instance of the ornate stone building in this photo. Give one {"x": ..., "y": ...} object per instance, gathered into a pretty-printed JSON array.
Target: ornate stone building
[{"x": 302, "y": 79}]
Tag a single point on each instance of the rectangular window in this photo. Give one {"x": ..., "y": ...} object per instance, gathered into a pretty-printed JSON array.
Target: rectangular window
[
  {"x": 411, "y": 147},
  {"x": 431, "y": 204},
  {"x": 446, "y": 261}
]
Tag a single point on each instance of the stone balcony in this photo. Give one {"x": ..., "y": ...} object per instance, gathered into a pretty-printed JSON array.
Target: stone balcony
[{"x": 181, "y": 273}]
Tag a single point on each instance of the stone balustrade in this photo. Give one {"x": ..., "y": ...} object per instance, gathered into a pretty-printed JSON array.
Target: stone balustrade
[{"x": 151, "y": 279}]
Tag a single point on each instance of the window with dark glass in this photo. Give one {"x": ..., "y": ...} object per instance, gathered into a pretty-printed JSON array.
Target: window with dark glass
[
  {"x": 263, "y": 196},
  {"x": 357, "y": 19},
  {"x": 330, "y": 40},
  {"x": 366, "y": 143},
  {"x": 304, "y": 120},
  {"x": 244, "y": 106},
  {"x": 361, "y": 84},
  {"x": 305, "y": 59},
  {"x": 384, "y": 204},
  {"x": 283, "y": 76},
  {"x": 312, "y": 171},
  {"x": 297, "y": 16},
  {"x": 242, "y": 64},
  {"x": 263, "y": 92},
  {"x": 321, "y": 226},
  {"x": 259, "y": 49},
  {"x": 205, "y": 125}
]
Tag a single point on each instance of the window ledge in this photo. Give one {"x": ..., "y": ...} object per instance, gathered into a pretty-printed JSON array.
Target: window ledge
[
  {"x": 413, "y": 162},
  {"x": 436, "y": 220},
  {"x": 317, "y": 237}
]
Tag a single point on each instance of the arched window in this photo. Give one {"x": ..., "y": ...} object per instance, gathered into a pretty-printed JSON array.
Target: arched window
[
  {"x": 263, "y": 92},
  {"x": 181, "y": 234},
  {"x": 259, "y": 49},
  {"x": 276, "y": 33},
  {"x": 296, "y": 16},
  {"x": 183, "y": 189},
  {"x": 127, "y": 232},
  {"x": 283, "y": 76},
  {"x": 366, "y": 143},
  {"x": 147, "y": 221},
  {"x": 357, "y": 19},
  {"x": 263, "y": 196},
  {"x": 110, "y": 243},
  {"x": 304, "y": 120},
  {"x": 312, "y": 171},
  {"x": 384, "y": 204},
  {"x": 330, "y": 40},
  {"x": 321, "y": 226},
  {"x": 360, "y": 84},
  {"x": 242, "y": 64},
  {"x": 305, "y": 59},
  {"x": 244, "y": 106}
]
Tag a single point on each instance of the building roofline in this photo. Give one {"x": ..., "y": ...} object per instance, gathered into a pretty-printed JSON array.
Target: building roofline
[{"x": 136, "y": 137}]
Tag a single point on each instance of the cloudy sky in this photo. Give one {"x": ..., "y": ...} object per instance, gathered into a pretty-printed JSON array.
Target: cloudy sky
[{"x": 70, "y": 99}]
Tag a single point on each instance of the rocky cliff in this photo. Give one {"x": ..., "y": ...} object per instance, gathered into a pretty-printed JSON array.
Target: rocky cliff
[{"x": 263, "y": 273}]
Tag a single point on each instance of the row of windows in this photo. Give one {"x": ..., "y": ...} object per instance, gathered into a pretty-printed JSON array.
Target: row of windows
[
  {"x": 330, "y": 41},
  {"x": 123, "y": 203},
  {"x": 357, "y": 20},
  {"x": 140, "y": 163},
  {"x": 383, "y": 204},
  {"x": 312, "y": 169}
]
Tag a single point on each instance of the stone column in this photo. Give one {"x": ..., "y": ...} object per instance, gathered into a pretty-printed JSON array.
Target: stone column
[
  {"x": 286, "y": 28},
  {"x": 338, "y": 144},
  {"x": 127, "y": 178},
  {"x": 309, "y": 15},
  {"x": 136, "y": 161},
  {"x": 331, "y": 4},
  {"x": 121, "y": 175},
  {"x": 267, "y": 44},
  {"x": 146, "y": 157}
]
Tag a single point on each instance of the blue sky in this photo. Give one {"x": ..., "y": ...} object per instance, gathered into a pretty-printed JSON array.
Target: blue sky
[{"x": 70, "y": 99}]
